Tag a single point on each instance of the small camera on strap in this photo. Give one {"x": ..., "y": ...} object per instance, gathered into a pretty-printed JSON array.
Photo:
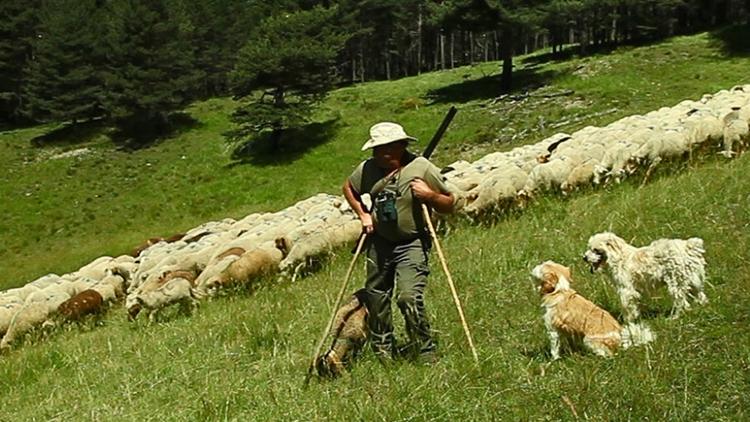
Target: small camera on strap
[{"x": 385, "y": 206}]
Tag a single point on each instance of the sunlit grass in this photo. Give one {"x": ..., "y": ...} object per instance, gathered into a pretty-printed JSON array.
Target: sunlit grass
[{"x": 243, "y": 357}]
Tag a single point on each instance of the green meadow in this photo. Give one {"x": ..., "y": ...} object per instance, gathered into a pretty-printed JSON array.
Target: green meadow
[{"x": 243, "y": 356}]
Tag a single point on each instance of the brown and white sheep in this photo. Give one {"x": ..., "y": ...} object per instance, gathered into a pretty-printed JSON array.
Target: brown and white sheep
[
  {"x": 88, "y": 302},
  {"x": 249, "y": 266}
]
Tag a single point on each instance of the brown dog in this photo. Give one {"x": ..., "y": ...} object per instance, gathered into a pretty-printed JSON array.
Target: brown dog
[
  {"x": 570, "y": 315},
  {"x": 349, "y": 334}
]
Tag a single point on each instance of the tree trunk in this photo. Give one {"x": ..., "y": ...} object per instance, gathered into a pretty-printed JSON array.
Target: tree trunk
[
  {"x": 451, "y": 51},
  {"x": 486, "y": 48},
  {"x": 495, "y": 45},
  {"x": 419, "y": 41},
  {"x": 506, "y": 47},
  {"x": 442, "y": 50},
  {"x": 361, "y": 63},
  {"x": 278, "y": 128},
  {"x": 387, "y": 64},
  {"x": 471, "y": 47}
]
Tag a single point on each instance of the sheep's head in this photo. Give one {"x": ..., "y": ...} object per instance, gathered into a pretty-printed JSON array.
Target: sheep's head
[
  {"x": 212, "y": 285},
  {"x": 544, "y": 158},
  {"x": 133, "y": 307},
  {"x": 600, "y": 173},
  {"x": 284, "y": 245},
  {"x": 133, "y": 311},
  {"x": 523, "y": 197}
]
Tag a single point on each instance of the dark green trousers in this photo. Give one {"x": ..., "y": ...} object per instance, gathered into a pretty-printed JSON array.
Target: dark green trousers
[{"x": 400, "y": 269}]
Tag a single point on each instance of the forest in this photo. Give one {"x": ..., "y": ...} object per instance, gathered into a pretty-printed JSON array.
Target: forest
[{"x": 132, "y": 64}]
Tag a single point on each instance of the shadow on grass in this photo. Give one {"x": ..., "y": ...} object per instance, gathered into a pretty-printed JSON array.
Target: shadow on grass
[
  {"x": 540, "y": 353},
  {"x": 732, "y": 40},
  {"x": 570, "y": 52},
  {"x": 489, "y": 86},
  {"x": 135, "y": 136},
  {"x": 293, "y": 145},
  {"x": 139, "y": 135},
  {"x": 70, "y": 134}
]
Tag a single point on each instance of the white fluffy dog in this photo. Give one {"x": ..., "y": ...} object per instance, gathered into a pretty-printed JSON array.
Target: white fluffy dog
[{"x": 676, "y": 263}]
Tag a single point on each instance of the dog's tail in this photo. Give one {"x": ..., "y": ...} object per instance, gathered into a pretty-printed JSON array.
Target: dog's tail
[{"x": 636, "y": 335}]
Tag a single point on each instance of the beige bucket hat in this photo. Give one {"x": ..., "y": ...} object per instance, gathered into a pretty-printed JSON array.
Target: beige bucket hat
[{"x": 385, "y": 133}]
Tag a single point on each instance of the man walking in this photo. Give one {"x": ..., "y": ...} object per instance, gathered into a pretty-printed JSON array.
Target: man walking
[{"x": 398, "y": 182}]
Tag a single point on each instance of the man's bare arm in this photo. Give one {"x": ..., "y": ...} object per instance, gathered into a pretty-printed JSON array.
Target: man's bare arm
[
  {"x": 441, "y": 202},
  {"x": 355, "y": 201}
]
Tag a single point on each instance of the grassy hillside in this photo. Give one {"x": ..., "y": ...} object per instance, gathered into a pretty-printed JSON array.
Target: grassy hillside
[
  {"x": 105, "y": 202},
  {"x": 243, "y": 357}
]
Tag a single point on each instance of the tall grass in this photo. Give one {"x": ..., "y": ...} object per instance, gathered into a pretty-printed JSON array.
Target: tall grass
[{"x": 243, "y": 357}]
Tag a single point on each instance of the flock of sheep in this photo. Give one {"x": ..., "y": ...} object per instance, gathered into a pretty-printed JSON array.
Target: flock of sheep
[
  {"x": 595, "y": 155},
  {"x": 184, "y": 268},
  {"x": 188, "y": 267}
]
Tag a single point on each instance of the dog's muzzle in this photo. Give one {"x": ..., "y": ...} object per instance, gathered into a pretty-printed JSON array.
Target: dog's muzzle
[{"x": 594, "y": 259}]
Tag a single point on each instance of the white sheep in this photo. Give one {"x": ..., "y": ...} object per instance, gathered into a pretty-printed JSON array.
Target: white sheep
[
  {"x": 23, "y": 292},
  {"x": 175, "y": 291},
  {"x": 702, "y": 127},
  {"x": 735, "y": 131},
  {"x": 113, "y": 285},
  {"x": 46, "y": 280},
  {"x": 497, "y": 190},
  {"x": 615, "y": 162},
  {"x": 548, "y": 175},
  {"x": 7, "y": 311},
  {"x": 32, "y": 313},
  {"x": 9, "y": 298},
  {"x": 307, "y": 249},
  {"x": 582, "y": 174},
  {"x": 96, "y": 269}
]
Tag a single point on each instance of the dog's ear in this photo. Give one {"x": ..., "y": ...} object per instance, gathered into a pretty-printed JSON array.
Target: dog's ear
[
  {"x": 567, "y": 273},
  {"x": 611, "y": 243},
  {"x": 549, "y": 282}
]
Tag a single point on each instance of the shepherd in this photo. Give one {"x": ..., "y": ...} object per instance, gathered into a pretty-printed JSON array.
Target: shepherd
[{"x": 399, "y": 183}]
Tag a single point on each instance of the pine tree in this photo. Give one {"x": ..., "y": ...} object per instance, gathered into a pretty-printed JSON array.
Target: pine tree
[
  {"x": 284, "y": 69},
  {"x": 62, "y": 79},
  {"x": 149, "y": 67},
  {"x": 217, "y": 30},
  {"x": 17, "y": 29},
  {"x": 513, "y": 18}
]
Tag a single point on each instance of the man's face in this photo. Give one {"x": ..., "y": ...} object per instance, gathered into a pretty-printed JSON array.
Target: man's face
[{"x": 388, "y": 156}]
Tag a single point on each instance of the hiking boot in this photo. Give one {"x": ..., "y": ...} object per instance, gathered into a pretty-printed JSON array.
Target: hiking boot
[
  {"x": 384, "y": 354},
  {"x": 406, "y": 351}
]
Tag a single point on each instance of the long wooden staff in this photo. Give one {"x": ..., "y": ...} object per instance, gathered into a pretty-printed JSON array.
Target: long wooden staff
[
  {"x": 335, "y": 308},
  {"x": 426, "y": 214}
]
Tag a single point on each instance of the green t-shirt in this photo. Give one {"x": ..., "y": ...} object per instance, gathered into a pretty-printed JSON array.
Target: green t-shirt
[{"x": 409, "y": 224}]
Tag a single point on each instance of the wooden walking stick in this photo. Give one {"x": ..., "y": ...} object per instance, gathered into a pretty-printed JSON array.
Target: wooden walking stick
[
  {"x": 427, "y": 153},
  {"x": 335, "y": 308},
  {"x": 426, "y": 214}
]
